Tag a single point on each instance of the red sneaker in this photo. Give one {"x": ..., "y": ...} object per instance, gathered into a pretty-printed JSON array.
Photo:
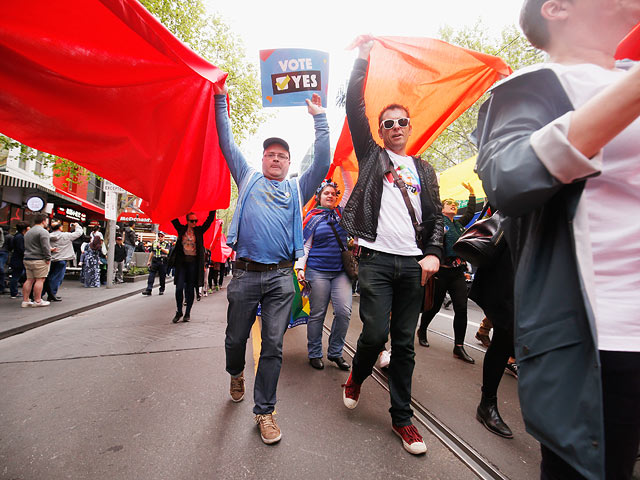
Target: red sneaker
[
  {"x": 350, "y": 393},
  {"x": 411, "y": 439}
]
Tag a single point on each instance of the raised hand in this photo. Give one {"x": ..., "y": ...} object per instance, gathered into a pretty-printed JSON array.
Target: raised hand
[
  {"x": 365, "y": 44},
  {"x": 314, "y": 106},
  {"x": 220, "y": 89},
  {"x": 468, "y": 187}
]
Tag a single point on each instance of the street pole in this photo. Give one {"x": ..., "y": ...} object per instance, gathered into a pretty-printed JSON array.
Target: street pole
[{"x": 110, "y": 252}]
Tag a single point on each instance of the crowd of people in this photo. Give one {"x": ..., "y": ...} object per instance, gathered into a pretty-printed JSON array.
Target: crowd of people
[{"x": 558, "y": 158}]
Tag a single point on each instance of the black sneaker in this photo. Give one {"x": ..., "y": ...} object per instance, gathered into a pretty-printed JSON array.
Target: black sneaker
[
  {"x": 177, "y": 317},
  {"x": 187, "y": 317},
  {"x": 147, "y": 292},
  {"x": 161, "y": 292}
]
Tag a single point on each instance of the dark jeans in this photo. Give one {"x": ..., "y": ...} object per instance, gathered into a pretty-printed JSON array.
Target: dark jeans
[
  {"x": 4, "y": 255},
  {"x": 274, "y": 290},
  {"x": 16, "y": 273},
  {"x": 621, "y": 402},
  {"x": 495, "y": 360},
  {"x": 157, "y": 268},
  {"x": 449, "y": 280},
  {"x": 185, "y": 281},
  {"x": 390, "y": 301}
]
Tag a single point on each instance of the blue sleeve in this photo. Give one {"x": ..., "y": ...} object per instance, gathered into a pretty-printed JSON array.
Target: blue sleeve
[
  {"x": 310, "y": 179},
  {"x": 236, "y": 162}
]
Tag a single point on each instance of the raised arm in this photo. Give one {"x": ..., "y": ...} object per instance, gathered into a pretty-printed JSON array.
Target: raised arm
[
  {"x": 207, "y": 223},
  {"x": 361, "y": 136},
  {"x": 471, "y": 205},
  {"x": 314, "y": 175},
  {"x": 236, "y": 162}
]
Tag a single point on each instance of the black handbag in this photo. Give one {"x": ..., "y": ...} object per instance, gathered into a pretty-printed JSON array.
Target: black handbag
[
  {"x": 483, "y": 241},
  {"x": 348, "y": 260}
]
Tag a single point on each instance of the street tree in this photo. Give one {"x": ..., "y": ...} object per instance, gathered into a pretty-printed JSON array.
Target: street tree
[{"x": 454, "y": 144}]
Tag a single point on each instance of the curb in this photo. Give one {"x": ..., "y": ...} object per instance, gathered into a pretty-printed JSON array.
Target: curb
[{"x": 30, "y": 326}]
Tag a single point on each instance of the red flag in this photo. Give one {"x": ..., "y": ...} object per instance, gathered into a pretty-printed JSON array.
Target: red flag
[
  {"x": 630, "y": 46},
  {"x": 104, "y": 84}
]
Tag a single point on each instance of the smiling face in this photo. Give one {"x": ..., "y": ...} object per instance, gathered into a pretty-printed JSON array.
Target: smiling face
[
  {"x": 395, "y": 138},
  {"x": 328, "y": 197},
  {"x": 449, "y": 208},
  {"x": 275, "y": 162}
]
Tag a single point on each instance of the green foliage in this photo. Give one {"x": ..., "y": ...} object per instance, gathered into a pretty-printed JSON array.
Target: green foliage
[
  {"x": 454, "y": 144},
  {"x": 211, "y": 38},
  {"x": 133, "y": 271}
]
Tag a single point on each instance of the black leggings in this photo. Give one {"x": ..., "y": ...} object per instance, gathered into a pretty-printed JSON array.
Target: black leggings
[
  {"x": 495, "y": 360},
  {"x": 452, "y": 280},
  {"x": 185, "y": 281},
  {"x": 621, "y": 402}
]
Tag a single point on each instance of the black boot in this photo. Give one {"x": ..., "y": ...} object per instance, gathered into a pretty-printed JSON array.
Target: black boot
[
  {"x": 460, "y": 352},
  {"x": 487, "y": 414},
  {"x": 422, "y": 338}
]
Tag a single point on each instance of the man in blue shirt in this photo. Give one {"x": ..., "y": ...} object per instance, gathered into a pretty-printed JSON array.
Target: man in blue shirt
[{"x": 266, "y": 233}]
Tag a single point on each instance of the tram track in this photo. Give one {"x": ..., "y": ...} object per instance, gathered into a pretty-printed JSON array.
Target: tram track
[{"x": 456, "y": 444}]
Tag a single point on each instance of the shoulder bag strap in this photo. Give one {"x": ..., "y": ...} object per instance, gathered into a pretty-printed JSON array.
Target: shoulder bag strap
[
  {"x": 335, "y": 232},
  {"x": 388, "y": 168}
]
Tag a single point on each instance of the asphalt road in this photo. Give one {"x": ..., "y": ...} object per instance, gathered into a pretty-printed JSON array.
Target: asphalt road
[{"x": 119, "y": 392}]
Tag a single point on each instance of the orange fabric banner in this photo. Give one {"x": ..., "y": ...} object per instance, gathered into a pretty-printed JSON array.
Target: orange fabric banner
[{"x": 435, "y": 80}]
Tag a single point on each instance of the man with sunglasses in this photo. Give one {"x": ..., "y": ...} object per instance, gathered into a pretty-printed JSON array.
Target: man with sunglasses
[
  {"x": 395, "y": 260},
  {"x": 187, "y": 257},
  {"x": 266, "y": 233}
]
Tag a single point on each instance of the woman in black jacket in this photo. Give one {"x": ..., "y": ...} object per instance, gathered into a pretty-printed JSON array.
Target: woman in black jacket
[{"x": 188, "y": 258}]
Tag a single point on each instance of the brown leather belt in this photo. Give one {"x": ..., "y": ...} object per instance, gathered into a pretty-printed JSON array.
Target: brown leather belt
[{"x": 250, "y": 266}]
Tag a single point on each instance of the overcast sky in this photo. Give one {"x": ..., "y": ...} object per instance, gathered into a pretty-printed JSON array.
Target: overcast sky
[{"x": 331, "y": 26}]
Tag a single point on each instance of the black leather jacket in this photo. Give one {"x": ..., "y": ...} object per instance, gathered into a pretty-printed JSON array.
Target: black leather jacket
[{"x": 360, "y": 215}]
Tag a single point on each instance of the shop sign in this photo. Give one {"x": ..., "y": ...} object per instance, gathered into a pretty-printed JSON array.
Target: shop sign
[
  {"x": 132, "y": 217},
  {"x": 72, "y": 213}
]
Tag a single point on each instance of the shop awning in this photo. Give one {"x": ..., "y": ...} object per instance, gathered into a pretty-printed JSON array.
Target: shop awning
[{"x": 80, "y": 201}]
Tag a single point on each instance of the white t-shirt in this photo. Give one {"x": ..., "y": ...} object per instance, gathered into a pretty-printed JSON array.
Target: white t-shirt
[
  {"x": 609, "y": 244},
  {"x": 395, "y": 233}
]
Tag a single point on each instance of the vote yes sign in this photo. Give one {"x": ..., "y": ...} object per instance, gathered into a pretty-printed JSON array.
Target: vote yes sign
[{"x": 291, "y": 75}]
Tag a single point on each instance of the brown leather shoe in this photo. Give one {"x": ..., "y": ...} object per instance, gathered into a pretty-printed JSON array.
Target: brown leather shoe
[
  {"x": 236, "y": 390},
  {"x": 269, "y": 430}
]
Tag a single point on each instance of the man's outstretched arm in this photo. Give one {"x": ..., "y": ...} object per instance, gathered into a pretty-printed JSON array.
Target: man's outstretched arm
[
  {"x": 235, "y": 160},
  {"x": 310, "y": 179}
]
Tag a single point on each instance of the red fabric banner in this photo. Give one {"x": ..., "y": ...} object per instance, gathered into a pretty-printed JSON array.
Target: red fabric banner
[
  {"x": 104, "y": 84},
  {"x": 630, "y": 46}
]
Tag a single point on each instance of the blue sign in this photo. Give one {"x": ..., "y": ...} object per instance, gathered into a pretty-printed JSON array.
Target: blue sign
[{"x": 291, "y": 75}]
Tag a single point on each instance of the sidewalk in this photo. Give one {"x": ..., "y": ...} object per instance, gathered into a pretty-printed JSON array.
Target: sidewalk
[{"x": 75, "y": 299}]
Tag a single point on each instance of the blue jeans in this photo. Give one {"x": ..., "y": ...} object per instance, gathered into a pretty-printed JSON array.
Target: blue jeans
[
  {"x": 4, "y": 255},
  {"x": 274, "y": 290},
  {"x": 389, "y": 283},
  {"x": 56, "y": 274},
  {"x": 325, "y": 286},
  {"x": 130, "y": 249}
]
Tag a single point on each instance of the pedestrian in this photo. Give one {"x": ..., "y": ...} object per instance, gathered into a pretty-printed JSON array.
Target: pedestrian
[
  {"x": 157, "y": 264},
  {"x": 188, "y": 258},
  {"x": 558, "y": 155},
  {"x": 397, "y": 256},
  {"x": 266, "y": 233},
  {"x": 130, "y": 240},
  {"x": 492, "y": 290},
  {"x": 91, "y": 262},
  {"x": 37, "y": 259},
  {"x": 322, "y": 267},
  {"x": 451, "y": 277},
  {"x": 63, "y": 242},
  {"x": 16, "y": 261},
  {"x": 6, "y": 242},
  {"x": 119, "y": 258},
  {"x": 222, "y": 272}
]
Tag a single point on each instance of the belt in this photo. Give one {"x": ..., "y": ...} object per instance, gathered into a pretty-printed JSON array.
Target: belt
[{"x": 250, "y": 266}]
